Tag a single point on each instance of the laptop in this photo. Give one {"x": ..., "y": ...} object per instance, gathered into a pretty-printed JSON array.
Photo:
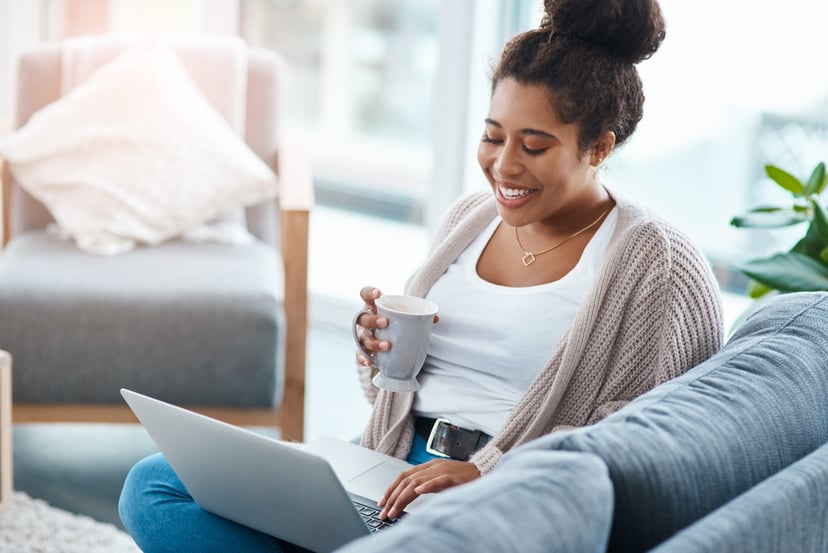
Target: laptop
[{"x": 296, "y": 492}]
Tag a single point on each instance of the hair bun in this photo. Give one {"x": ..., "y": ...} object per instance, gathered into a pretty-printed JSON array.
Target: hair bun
[{"x": 630, "y": 29}]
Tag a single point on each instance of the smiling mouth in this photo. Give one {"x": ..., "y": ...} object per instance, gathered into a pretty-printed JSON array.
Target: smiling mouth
[{"x": 515, "y": 193}]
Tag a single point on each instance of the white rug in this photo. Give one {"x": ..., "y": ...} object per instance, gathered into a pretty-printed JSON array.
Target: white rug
[{"x": 32, "y": 526}]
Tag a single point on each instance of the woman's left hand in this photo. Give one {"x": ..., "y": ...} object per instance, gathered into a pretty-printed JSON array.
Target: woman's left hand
[{"x": 434, "y": 476}]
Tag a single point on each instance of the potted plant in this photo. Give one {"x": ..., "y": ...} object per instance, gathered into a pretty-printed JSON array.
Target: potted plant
[{"x": 805, "y": 266}]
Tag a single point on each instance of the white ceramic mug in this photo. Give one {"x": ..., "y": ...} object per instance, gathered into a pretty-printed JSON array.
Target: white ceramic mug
[{"x": 410, "y": 321}]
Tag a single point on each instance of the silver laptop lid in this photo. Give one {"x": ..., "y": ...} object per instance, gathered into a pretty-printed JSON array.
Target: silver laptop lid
[{"x": 254, "y": 480}]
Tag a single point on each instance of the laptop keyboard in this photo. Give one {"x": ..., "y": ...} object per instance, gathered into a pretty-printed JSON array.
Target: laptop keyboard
[{"x": 371, "y": 516}]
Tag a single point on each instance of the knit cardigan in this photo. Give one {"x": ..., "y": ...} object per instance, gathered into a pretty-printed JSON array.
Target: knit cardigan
[{"x": 652, "y": 312}]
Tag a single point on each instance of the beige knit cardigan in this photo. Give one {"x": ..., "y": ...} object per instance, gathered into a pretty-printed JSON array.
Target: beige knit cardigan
[{"x": 652, "y": 312}]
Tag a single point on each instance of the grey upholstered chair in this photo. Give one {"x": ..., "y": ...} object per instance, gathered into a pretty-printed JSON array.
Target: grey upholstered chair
[{"x": 218, "y": 327}]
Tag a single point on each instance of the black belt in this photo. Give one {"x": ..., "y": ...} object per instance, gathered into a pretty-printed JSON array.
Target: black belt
[{"x": 448, "y": 440}]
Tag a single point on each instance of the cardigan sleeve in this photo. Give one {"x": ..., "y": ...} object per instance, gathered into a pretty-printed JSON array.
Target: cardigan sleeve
[
  {"x": 606, "y": 409},
  {"x": 366, "y": 374},
  {"x": 678, "y": 325},
  {"x": 693, "y": 324}
]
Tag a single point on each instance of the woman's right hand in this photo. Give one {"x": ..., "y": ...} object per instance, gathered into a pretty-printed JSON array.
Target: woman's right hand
[{"x": 367, "y": 323}]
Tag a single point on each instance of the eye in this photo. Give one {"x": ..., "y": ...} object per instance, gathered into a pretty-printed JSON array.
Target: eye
[
  {"x": 533, "y": 152},
  {"x": 489, "y": 140}
]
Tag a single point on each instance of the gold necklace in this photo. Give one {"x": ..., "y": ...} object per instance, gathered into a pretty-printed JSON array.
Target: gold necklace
[{"x": 529, "y": 257}]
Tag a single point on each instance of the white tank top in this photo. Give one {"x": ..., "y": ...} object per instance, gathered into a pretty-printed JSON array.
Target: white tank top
[{"x": 493, "y": 340}]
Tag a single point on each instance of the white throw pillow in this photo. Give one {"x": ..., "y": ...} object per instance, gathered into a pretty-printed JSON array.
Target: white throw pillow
[{"x": 135, "y": 154}]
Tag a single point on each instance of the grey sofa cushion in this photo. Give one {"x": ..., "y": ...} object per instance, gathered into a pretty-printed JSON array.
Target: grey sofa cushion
[
  {"x": 694, "y": 443},
  {"x": 786, "y": 512},
  {"x": 189, "y": 323},
  {"x": 527, "y": 504}
]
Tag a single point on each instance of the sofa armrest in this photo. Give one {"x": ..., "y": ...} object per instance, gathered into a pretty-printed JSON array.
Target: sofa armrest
[
  {"x": 296, "y": 200},
  {"x": 5, "y": 203},
  {"x": 785, "y": 512}
]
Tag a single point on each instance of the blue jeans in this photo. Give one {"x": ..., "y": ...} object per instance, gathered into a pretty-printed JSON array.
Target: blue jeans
[{"x": 161, "y": 516}]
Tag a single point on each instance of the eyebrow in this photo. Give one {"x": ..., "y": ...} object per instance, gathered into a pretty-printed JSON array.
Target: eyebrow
[{"x": 534, "y": 132}]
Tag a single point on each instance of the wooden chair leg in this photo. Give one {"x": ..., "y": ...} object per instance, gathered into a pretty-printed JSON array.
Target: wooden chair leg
[{"x": 295, "y": 226}]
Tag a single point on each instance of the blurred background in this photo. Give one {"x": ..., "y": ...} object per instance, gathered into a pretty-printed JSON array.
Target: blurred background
[{"x": 392, "y": 94}]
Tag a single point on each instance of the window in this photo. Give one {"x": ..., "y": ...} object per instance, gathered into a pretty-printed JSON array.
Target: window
[
  {"x": 361, "y": 80},
  {"x": 736, "y": 85},
  {"x": 392, "y": 91}
]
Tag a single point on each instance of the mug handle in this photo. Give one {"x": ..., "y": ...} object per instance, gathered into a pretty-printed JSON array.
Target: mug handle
[{"x": 356, "y": 337}]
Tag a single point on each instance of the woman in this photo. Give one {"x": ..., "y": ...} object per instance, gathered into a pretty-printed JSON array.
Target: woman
[{"x": 560, "y": 300}]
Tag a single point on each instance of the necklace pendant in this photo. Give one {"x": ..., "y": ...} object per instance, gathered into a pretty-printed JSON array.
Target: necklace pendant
[{"x": 528, "y": 258}]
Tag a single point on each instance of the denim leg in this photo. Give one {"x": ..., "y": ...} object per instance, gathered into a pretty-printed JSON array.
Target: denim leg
[{"x": 161, "y": 516}]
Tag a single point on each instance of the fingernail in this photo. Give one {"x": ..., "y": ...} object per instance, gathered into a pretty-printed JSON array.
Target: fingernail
[
  {"x": 392, "y": 513},
  {"x": 382, "y": 321},
  {"x": 383, "y": 514},
  {"x": 384, "y": 345}
]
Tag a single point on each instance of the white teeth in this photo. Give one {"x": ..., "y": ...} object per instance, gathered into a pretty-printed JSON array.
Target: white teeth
[{"x": 514, "y": 193}]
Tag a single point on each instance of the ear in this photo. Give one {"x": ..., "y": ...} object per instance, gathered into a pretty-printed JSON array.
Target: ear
[{"x": 603, "y": 148}]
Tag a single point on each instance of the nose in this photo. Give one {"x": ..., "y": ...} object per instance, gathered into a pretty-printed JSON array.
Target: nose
[{"x": 508, "y": 160}]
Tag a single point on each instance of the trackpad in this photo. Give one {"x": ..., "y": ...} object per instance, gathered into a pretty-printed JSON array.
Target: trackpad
[{"x": 373, "y": 482}]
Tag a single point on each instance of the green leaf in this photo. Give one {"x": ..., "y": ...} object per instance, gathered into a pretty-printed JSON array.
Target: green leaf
[
  {"x": 766, "y": 217},
  {"x": 785, "y": 179},
  {"x": 757, "y": 289},
  {"x": 816, "y": 237},
  {"x": 801, "y": 247},
  {"x": 788, "y": 272},
  {"x": 820, "y": 222},
  {"x": 823, "y": 255},
  {"x": 816, "y": 180}
]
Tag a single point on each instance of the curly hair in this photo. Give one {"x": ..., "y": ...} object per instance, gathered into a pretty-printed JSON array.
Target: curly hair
[{"x": 585, "y": 54}]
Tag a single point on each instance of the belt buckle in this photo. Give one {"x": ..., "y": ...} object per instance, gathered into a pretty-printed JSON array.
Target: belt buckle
[{"x": 429, "y": 444}]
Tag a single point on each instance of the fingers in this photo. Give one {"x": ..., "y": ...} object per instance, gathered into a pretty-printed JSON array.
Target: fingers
[
  {"x": 400, "y": 493},
  {"x": 431, "y": 477},
  {"x": 367, "y": 323},
  {"x": 363, "y": 359},
  {"x": 369, "y": 294}
]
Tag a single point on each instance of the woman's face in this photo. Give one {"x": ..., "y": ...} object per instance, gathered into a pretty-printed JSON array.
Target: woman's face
[{"x": 531, "y": 159}]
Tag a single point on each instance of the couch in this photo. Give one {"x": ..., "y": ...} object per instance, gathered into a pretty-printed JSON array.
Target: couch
[{"x": 730, "y": 457}]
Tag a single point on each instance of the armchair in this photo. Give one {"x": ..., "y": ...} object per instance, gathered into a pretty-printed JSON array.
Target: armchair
[{"x": 218, "y": 327}]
